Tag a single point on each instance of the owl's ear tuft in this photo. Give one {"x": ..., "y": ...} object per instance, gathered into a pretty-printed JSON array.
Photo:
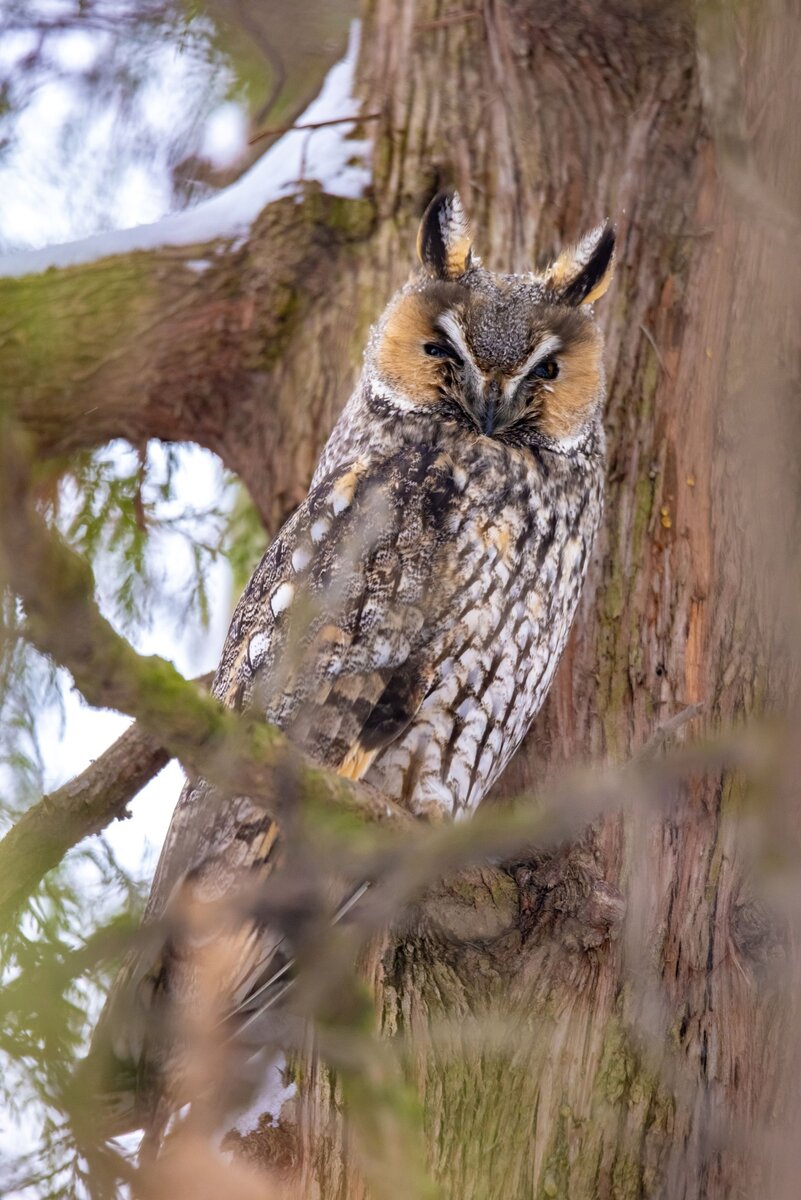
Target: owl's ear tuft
[
  {"x": 444, "y": 244},
  {"x": 582, "y": 273}
]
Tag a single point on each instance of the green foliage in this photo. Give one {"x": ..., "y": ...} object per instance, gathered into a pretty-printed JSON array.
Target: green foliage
[
  {"x": 28, "y": 685},
  {"x": 57, "y": 966},
  {"x": 123, "y": 512},
  {"x": 151, "y": 555},
  {"x": 112, "y": 507},
  {"x": 245, "y": 539}
]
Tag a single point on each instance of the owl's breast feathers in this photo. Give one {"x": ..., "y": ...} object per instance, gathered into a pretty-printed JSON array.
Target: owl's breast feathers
[{"x": 390, "y": 569}]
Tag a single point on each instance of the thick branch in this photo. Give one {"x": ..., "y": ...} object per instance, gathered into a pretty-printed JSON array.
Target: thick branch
[
  {"x": 146, "y": 345},
  {"x": 84, "y": 806},
  {"x": 81, "y": 807}
]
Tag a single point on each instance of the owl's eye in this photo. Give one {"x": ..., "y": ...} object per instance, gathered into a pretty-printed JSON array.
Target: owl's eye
[
  {"x": 438, "y": 350},
  {"x": 548, "y": 369}
]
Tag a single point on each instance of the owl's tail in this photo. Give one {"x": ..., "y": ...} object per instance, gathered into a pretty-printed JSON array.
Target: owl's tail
[
  {"x": 267, "y": 994},
  {"x": 201, "y": 994}
]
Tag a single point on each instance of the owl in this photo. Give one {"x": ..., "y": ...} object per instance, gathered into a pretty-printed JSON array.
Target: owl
[{"x": 404, "y": 626}]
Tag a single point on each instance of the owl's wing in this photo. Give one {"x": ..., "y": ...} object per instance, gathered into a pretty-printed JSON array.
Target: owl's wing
[
  {"x": 332, "y": 641},
  {"x": 329, "y": 640}
]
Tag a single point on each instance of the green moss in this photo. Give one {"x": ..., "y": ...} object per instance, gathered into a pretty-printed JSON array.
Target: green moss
[
  {"x": 644, "y": 493},
  {"x": 626, "y": 1179},
  {"x": 616, "y": 1065},
  {"x": 613, "y": 595},
  {"x": 294, "y": 1072},
  {"x": 623, "y": 1077},
  {"x": 52, "y": 324},
  {"x": 386, "y": 1116},
  {"x": 342, "y": 218},
  {"x": 327, "y": 821},
  {"x": 650, "y": 381},
  {"x": 383, "y": 151},
  {"x": 463, "y": 889},
  {"x": 555, "y": 1179},
  {"x": 501, "y": 887},
  {"x": 267, "y": 342}
]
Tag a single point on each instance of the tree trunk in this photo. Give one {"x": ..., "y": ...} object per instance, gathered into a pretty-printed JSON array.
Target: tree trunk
[
  {"x": 553, "y": 1058},
  {"x": 561, "y": 1063}
]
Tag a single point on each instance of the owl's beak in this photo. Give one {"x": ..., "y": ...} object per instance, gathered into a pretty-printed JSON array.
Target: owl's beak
[{"x": 492, "y": 397}]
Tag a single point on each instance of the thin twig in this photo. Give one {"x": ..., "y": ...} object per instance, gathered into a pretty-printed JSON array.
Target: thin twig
[
  {"x": 313, "y": 125},
  {"x": 650, "y": 338},
  {"x": 666, "y": 731}
]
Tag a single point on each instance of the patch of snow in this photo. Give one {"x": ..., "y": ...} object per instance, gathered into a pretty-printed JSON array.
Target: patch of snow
[
  {"x": 143, "y": 192},
  {"x": 16, "y": 45},
  {"x": 269, "y": 1098},
  {"x": 328, "y": 156}
]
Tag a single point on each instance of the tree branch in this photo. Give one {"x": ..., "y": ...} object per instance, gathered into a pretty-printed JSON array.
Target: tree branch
[
  {"x": 312, "y": 125},
  {"x": 81, "y": 807},
  {"x": 84, "y": 806},
  {"x": 239, "y": 754},
  {"x": 178, "y": 343}
]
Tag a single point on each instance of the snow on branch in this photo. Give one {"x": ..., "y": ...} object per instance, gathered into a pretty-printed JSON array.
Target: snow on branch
[{"x": 326, "y": 153}]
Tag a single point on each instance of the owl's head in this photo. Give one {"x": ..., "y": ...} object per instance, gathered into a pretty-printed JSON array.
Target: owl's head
[{"x": 511, "y": 357}]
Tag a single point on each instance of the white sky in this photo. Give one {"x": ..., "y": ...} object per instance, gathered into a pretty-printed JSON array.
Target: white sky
[{"x": 199, "y": 482}]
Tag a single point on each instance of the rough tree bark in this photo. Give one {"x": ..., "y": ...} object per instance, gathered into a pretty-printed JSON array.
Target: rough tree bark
[{"x": 640, "y": 1066}]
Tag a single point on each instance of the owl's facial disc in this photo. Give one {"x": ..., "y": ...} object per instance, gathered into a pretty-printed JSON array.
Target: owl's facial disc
[
  {"x": 502, "y": 365},
  {"x": 415, "y": 356},
  {"x": 512, "y": 357}
]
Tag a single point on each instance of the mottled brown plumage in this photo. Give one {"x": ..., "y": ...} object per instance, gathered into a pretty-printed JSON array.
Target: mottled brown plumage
[{"x": 404, "y": 626}]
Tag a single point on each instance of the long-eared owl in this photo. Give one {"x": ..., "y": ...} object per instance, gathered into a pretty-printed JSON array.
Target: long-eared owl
[{"x": 404, "y": 626}]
